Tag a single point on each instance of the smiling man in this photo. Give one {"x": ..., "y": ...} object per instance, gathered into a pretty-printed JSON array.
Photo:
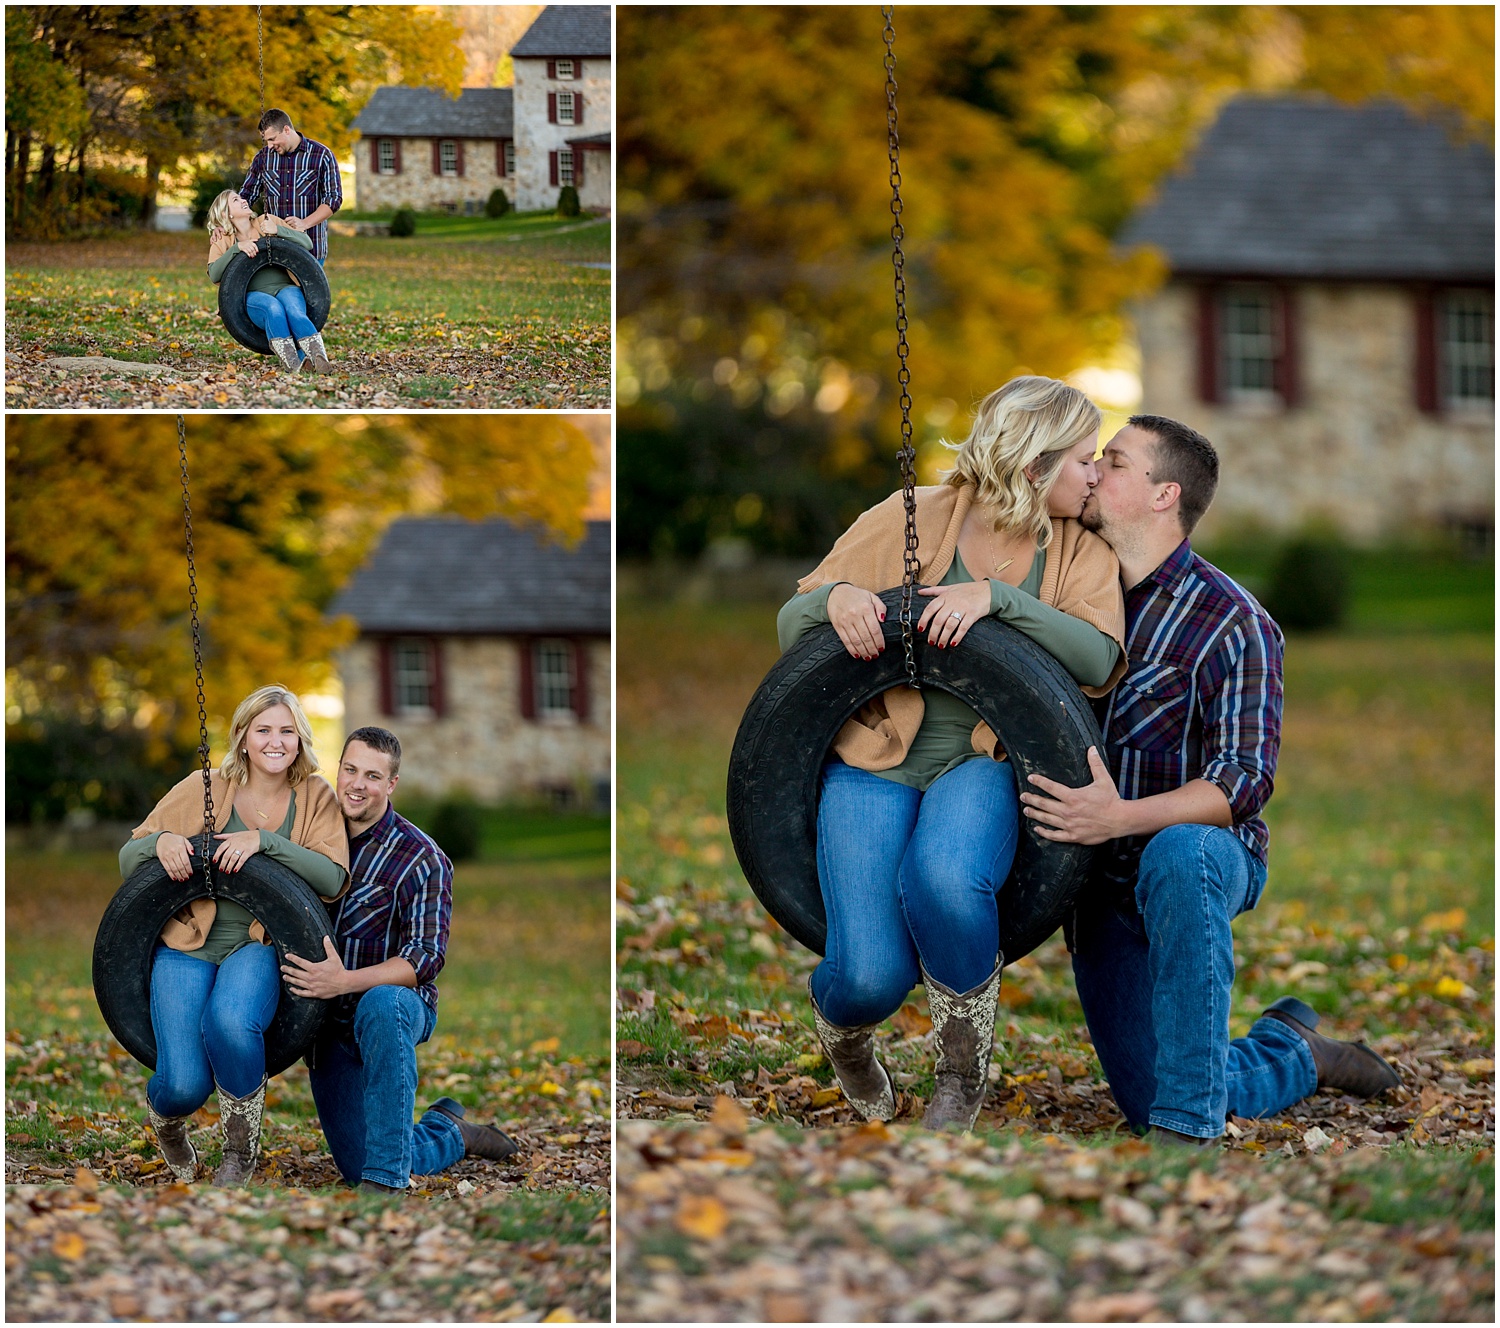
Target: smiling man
[
  {"x": 392, "y": 930},
  {"x": 1191, "y": 736},
  {"x": 300, "y": 178}
]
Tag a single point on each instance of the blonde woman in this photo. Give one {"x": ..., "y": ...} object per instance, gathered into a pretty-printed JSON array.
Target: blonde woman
[
  {"x": 275, "y": 303},
  {"x": 919, "y": 812},
  {"x": 214, "y": 979}
]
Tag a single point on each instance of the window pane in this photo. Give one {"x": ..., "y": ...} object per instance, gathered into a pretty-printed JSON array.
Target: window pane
[
  {"x": 387, "y": 157},
  {"x": 1249, "y": 326},
  {"x": 510, "y": 159},
  {"x": 565, "y": 166},
  {"x": 565, "y": 69},
  {"x": 448, "y": 157},
  {"x": 1468, "y": 353},
  {"x": 554, "y": 678},
  {"x": 564, "y": 108},
  {"x": 412, "y": 664}
]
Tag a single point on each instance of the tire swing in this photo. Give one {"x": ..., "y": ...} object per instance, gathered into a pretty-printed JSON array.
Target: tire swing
[
  {"x": 293, "y": 915},
  {"x": 234, "y": 285},
  {"x": 1042, "y": 719}
]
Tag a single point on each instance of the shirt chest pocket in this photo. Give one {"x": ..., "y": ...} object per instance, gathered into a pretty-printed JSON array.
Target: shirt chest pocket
[{"x": 1152, "y": 708}]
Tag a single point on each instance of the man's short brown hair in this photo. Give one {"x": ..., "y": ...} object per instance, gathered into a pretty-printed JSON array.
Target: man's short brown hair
[
  {"x": 381, "y": 740},
  {"x": 1186, "y": 458},
  {"x": 274, "y": 119}
]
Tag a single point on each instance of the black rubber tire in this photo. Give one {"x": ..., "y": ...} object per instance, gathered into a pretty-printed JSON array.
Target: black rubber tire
[
  {"x": 291, "y": 912},
  {"x": 1043, "y": 721},
  {"x": 234, "y": 286}
]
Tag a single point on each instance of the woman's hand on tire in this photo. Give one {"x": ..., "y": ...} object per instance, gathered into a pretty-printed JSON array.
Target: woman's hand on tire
[
  {"x": 856, "y": 616},
  {"x": 175, "y": 853},
  {"x": 952, "y": 609},
  {"x": 234, "y": 849}
]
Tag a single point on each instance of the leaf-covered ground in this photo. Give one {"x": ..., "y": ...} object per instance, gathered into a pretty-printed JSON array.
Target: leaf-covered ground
[
  {"x": 493, "y": 315},
  {"x": 96, "y": 1229},
  {"x": 1378, "y": 912}
]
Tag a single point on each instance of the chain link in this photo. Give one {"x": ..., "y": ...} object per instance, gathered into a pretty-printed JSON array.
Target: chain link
[
  {"x": 260, "y": 47},
  {"x": 908, "y": 453},
  {"x": 205, "y": 843}
]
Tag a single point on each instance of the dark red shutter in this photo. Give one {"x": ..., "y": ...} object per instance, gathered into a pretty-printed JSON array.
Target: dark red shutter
[
  {"x": 552, "y": 165},
  {"x": 375, "y": 156},
  {"x": 396, "y": 143},
  {"x": 1208, "y": 343},
  {"x": 500, "y": 157},
  {"x": 459, "y": 150},
  {"x": 552, "y": 108},
  {"x": 1285, "y": 378},
  {"x": 1427, "y": 350},
  {"x": 581, "y": 680},
  {"x": 385, "y": 665},
  {"x": 439, "y": 696},
  {"x": 551, "y": 68},
  {"x": 578, "y": 155},
  {"x": 578, "y": 108},
  {"x": 437, "y": 157},
  {"x": 527, "y": 674}
]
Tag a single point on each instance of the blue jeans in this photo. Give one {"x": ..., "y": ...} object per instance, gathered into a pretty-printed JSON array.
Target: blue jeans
[
  {"x": 907, "y": 878},
  {"x": 1154, "y": 981},
  {"x": 366, "y": 1088},
  {"x": 281, "y": 315},
  {"x": 210, "y": 1022}
]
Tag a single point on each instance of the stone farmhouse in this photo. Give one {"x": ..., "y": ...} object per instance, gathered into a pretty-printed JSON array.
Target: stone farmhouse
[
  {"x": 486, "y": 649},
  {"x": 421, "y": 149},
  {"x": 1329, "y": 318}
]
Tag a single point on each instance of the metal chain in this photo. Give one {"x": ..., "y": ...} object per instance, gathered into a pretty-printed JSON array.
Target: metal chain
[
  {"x": 908, "y": 453},
  {"x": 205, "y": 857},
  {"x": 260, "y": 46}
]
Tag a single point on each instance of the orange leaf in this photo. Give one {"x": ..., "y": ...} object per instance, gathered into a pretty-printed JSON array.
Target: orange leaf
[
  {"x": 69, "y": 1245},
  {"x": 701, "y": 1216}
]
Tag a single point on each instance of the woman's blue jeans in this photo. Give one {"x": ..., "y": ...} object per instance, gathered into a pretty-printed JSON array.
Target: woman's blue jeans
[
  {"x": 281, "y": 315},
  {"x": 210, "y": 1022},
  {"x": 908, "y": 879},
  {"x": 1155, "y": 979}
]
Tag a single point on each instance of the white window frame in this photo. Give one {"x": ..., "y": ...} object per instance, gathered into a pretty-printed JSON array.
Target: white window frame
[
  {"x": 564, "y": 166},
  {"x": 510, "y": 158},
  {"x": 555, "y": 677},
  {"x": 413, "y": 677},
  {"x": 387, "y": 150},
  {"x": 566, "y": 106},
  {"x": 1250, "y": 344},
  {"x": 566, "y": 69},
  {"x": 1466, "y": 349},
  {"x": 448, "y": 157}
]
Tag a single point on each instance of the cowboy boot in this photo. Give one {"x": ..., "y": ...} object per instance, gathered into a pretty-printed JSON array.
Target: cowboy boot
[
  {"x": 285, "y": 350},
  {"x": 176, "y": 1148},
  {"x": 239, "y": 1119},
  {"x": 851, "y": 1052},
  {"x": 487, "y": 1141},
  {"x": 964, "y": 1027},
  {"x": 1347, "y": 1067},
  {"x": 314, "y": 349}
]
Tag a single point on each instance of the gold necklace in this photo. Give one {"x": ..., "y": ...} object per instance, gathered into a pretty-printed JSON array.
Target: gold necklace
[{"x": 990, "y": 540}]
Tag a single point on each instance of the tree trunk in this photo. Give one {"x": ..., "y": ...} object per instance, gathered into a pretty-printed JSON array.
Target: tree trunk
[
  {"x": 48, "y": 172},
  {"x": 153, "y": 183},
  {"x": 23, "y": 166}
]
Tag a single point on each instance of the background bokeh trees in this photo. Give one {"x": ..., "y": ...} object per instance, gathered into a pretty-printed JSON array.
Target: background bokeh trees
[{"x": 756, "y": 340}]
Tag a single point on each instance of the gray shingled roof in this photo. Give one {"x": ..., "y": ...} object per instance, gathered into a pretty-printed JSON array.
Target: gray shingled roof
[
  {"x": 447, "y": 575},
  {"x": 579, "y": 30},
  {"x": 1309, "y": 187},
  {"x": 427, "y": 113}
]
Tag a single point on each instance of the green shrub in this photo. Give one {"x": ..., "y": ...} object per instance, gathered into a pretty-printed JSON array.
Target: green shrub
[
  {"x": 497, "y": 205},
  {"x": 456, "y": 825},
  {"x": 404, "y": 222},
  {"x": 567, "y": 202},
  {"x": 1308, "y": 587}
]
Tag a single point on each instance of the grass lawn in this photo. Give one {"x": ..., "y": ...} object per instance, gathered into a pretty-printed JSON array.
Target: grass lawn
[
  {"x": 468, "y": 313},
  {"x": 1378, "y": 911},
  {"x": 96, "y": 1231}
]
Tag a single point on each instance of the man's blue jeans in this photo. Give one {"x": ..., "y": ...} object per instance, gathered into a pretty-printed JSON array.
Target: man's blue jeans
[
  {"x": 210, "y": 1022},
  {"x": 1155, "y": 983},
  {"x": 365, "y": 1090},
  {"x": 281, "y": 315},
  {"x": 910, "y": 877}
]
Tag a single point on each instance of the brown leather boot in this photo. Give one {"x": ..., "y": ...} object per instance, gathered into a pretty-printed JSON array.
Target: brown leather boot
[
  {"x": 239, "y": 1119},
  {"x": 176, "y": 1148},
  {"x": 1347, "y": 1067},
  {"x": 965, "y": 1028},
  {"x": 851, "y": 1052},
  {"x": 316, "y": 352},
  {"x": 487, "y": 1141},
  {"x": 1160, "y": 1134}
]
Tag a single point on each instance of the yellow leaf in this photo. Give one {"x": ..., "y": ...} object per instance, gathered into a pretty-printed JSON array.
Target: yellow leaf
[
  {"x": 562, "y": 1314},
  {"x": 701, "y": 1216},
  {"x": 810, "y": 1060},
  {"x": 69, "y": 1245},
  {"x": 545, "y": 1045},
  {"x": 1398, "y": 962},
  {"x": 549, "y": 1089},
  {"x": 1450, "y": 987},
  {"x": 1476, "y": 1068},
  {"x": 824, "y": 1096},
  {"x": 1452, "y": 920}
]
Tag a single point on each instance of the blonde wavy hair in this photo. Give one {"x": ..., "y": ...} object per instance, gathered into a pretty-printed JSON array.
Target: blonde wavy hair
[
  {"x": 218, "y": 216},
  {"x": 236, "y": 765},
  {"x": 1031, "y": 421}
]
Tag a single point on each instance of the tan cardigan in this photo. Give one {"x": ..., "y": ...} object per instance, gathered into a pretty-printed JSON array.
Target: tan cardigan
[
  {"x": 1080, "y": 577},
  {"x": 318, "y": 825},
  {"x": 220, "y": 243}
]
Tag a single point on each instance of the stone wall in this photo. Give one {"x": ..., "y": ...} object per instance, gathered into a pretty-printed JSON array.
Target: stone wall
[
  {"x": 1354, "y": 448},
  {"x": 482, "y": 743},
  {"x": 536, "y": 138},
  {"x": 416, "y": 187}
]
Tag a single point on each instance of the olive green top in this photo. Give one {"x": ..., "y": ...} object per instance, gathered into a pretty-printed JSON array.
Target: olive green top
[
  {"x": 268, "y": 280},
  {"x": 945, "y": 739},
  {"x": 231, "y": 926}
]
